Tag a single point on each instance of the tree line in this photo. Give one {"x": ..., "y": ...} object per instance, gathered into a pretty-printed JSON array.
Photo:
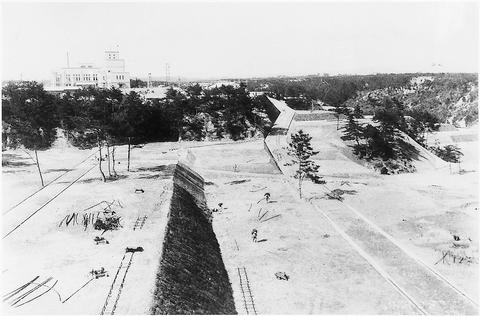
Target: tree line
[
  {"x": 382, "y": 141},
  {"x": 106, "y": 118},
  {"x": 440, "y": 94}
]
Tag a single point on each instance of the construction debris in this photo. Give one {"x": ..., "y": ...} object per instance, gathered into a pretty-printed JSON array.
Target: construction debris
[
  {"x": 22, "y": 292},
  {"x": 238, "y": 181},
  {"x": 100, "y": 240},
  {"x": 461, "y": 242},
  {"x": 87, "y": 219},
  {"x": 258, "y": 189},
  {"x": 336, "y": 194},
  {"x": 108, "y": 221},
  {"x": 139, "y": 222},
  {"x": 254, "y": 235},
  {"x": 90, "y": 218},
  {"x": 275, "y": 216},
  {"x": 263, "y": 215},
  {"x": 282, "y": 276},
  {"x": 99, "y": 273},
  {"x": 138, "y": 249},
  {"x": 456, "y": 256}
]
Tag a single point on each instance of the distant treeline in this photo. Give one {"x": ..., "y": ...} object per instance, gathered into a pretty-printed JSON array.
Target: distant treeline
[{"x": 439, "y": 96}]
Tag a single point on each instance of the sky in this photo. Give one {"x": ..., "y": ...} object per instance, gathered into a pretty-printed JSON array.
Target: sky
[{"x": 241, "y": 39}]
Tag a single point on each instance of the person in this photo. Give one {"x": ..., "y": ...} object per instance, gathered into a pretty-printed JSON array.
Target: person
[{"x": 254, "y": 235}]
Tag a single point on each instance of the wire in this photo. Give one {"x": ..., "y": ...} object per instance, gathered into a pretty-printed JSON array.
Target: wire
[
  {"x": 63, "y": 190},
  {"x": 16, "y": 205}
]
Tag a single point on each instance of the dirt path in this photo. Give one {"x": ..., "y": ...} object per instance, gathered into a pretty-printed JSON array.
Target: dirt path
[{"x": 432, "y": 294}]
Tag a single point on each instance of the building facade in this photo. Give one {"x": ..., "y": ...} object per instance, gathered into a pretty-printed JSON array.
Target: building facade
[{"x": 112, "y": 74}]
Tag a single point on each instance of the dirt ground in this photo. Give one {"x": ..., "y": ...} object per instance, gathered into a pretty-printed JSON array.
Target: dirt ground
[
  {"x": 390, "y": 222},
  {"x": 326, "y": 274},
  {"x": 44, "y": 246}
]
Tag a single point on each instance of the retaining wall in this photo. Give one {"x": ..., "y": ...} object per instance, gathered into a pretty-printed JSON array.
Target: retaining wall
[
  {"x": 276, "y": 141},
  {"x": 191, "y": 278}
]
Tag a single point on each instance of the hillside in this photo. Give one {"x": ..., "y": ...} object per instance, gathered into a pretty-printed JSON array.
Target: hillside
[{"x": 451, "y": 97}]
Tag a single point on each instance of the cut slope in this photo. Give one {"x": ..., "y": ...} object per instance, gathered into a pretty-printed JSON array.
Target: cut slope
[{"x": 192, "y": 277}]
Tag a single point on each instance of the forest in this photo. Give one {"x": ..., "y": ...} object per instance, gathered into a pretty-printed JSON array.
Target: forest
[
  {"x": 88, "y": 117},
  {"x": 92, "y": 117}
]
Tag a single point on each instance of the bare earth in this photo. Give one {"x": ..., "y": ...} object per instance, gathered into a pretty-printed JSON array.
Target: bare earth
[{"x": 379, "y": 251}]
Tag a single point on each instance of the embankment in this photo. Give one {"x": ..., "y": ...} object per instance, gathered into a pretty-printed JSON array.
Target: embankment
[{"x": 191, "y": 278}]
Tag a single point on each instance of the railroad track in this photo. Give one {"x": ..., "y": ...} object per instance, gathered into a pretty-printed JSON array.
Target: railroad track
[
  {"x": 118, "y": 283},
  {"x": 248, "y": 301}
]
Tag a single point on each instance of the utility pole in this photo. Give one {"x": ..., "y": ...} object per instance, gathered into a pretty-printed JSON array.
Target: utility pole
[
  {"x": 167, "y": 73},
  {"x": 68, "y": 61},
  {"x": 149, "y": 80}
]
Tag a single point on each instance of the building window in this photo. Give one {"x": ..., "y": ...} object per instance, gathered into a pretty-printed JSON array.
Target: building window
[
  {"x": 95, "y": 78},
  {"x": 77, "y": 77},
  {"x": 67, "y": 77}
]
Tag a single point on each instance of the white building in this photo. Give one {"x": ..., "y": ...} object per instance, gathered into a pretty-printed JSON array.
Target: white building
[{"x": 112, "y": 74}]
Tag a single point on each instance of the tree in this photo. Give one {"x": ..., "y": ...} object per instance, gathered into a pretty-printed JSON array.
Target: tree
[
  {"x": 449, "y": 153},
  {"x": 339, "y": 111},
  {"x": 92, "y": 120},
  {"x": 357, "y": 111},
  {"x": 138, "y": 83},
  {"x": 129, "y": 122},
  {"x": 31, "y": 116},
  {"x": 353, "y": 130},
  {"x": 301, "y": 150},
  {"x": 420, "y": 122}
]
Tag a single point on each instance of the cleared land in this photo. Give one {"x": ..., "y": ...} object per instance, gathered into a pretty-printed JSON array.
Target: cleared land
[{"x": 339, "y": 256}]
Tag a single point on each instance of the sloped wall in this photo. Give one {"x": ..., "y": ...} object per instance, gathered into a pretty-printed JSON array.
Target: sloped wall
[{"x": 191, "y": 278}]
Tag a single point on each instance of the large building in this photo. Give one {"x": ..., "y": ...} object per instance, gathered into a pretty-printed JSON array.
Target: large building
[{"x": 112, "y": 74}]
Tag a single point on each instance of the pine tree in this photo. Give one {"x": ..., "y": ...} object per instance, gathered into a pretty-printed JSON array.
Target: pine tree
[
  {"x": 31, "y": 116},
  {"x": 449, "y": 153},
  {"x": 301, "y": 150},
  {"x": 358, "y": 112},
  {"x": 353, "y": 130},
  {"x": 339, "y": 110}
]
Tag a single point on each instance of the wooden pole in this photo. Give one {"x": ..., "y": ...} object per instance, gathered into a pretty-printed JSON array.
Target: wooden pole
[
  {"x": 128, "y": 163},
  {"x": 38, "y": 167},
  {"x": 113, "y": 160},
  {"x": 108, "y": 159},
  {"x": 100, "y": 159}
]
